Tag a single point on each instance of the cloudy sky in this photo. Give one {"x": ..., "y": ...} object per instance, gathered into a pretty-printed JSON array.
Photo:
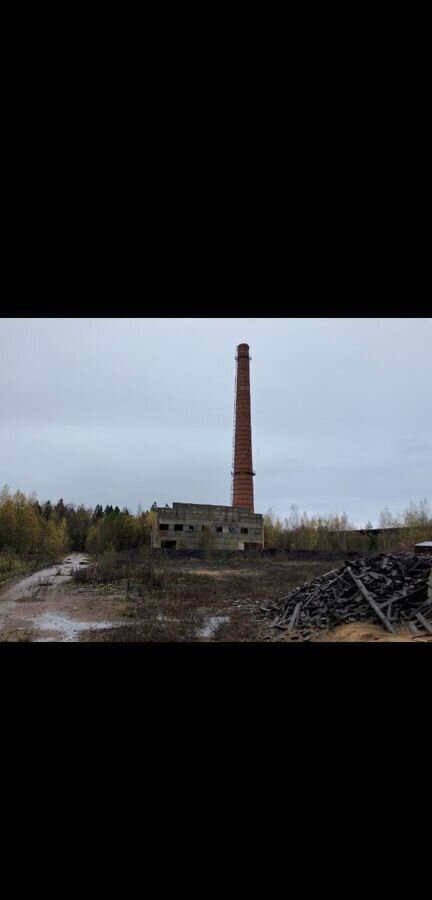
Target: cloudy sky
[{"x": 128, "y": 411}]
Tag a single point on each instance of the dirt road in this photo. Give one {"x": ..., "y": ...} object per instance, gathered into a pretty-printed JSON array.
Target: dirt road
[{"x": 39, "y": 608}]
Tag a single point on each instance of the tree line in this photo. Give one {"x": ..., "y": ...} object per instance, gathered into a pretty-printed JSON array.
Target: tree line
[
  {"x": 298, "y": 531},
  {"x": 47, "y": 530}
]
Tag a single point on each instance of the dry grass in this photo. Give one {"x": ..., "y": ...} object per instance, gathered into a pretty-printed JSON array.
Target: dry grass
[{"x": 172, "y": 603}]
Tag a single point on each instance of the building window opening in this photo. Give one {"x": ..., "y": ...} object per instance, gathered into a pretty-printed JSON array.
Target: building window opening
[
  {"x": 245, "y": 530},
  {"x": 219, "y": 528},
  {"x": 163, "y": 527},
  {"x": 178, "y": 527},
  {"x": 190, "y": 527}
]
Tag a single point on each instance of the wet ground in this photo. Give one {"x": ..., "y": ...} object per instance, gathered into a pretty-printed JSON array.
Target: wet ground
[
  {"x": 48, "y": 607},
  {"x": 38, "y": 608},
  {"x": 63, "y": 628},
  {"x": 22, "y": 589},
  {"x": 211, "y": 625}
]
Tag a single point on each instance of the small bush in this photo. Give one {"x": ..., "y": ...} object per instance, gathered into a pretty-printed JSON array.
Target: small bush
[{"x": 137, "y": 570}]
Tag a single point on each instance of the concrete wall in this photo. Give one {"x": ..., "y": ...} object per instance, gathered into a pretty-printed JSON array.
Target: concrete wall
[{"x": 193, "y": 526}]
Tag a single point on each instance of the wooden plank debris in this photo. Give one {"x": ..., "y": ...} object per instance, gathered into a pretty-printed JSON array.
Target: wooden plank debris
[
  {"x": 294, "y": 617},
  {"x": 371, "y": 600},
  {"x": 424, "y": 622},
  {"x": 390, "y": 587}
]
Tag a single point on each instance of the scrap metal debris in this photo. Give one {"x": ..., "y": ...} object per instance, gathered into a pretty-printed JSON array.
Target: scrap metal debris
[{"x": 390, "y": 589}]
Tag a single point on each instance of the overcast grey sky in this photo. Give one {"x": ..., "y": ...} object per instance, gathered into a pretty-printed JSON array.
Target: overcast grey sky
[{"x": 128, "y": 411}]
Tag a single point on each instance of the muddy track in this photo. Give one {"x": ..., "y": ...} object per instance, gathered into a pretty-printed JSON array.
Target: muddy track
[{"x": 37, "y": 608}]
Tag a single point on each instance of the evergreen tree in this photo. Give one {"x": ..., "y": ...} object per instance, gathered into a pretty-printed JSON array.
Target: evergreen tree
[
  {"x": 47, "y": 510},
  {"x": 60, "y": 509}
]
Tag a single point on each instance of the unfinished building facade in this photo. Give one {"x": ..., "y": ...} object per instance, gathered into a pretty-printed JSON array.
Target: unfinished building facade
[{"x": 194, "y": 526}]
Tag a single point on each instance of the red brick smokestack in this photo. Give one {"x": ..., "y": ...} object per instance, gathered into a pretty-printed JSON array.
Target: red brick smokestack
[{"x": 242, "y": 484}]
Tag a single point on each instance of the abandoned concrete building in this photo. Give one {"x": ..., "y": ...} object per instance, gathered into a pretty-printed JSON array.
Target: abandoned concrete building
[{"x": 192, "y": 526}]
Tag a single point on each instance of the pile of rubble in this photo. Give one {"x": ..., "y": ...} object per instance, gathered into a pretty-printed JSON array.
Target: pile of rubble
[{"x": 391, "y": 589}]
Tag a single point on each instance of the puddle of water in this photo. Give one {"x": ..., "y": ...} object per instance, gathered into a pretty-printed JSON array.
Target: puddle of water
[
  {"x": 68, "y": 628},
  {"x": 212, "y": 624}
]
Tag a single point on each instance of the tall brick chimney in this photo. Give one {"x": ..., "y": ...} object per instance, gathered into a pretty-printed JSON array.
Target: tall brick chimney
[{"x": 242, "y": 471}]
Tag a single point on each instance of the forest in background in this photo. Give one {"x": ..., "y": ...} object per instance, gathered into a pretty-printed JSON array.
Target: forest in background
[
  {"x": 302, "y": 532},
  {"x": 34, "y": 533}
]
